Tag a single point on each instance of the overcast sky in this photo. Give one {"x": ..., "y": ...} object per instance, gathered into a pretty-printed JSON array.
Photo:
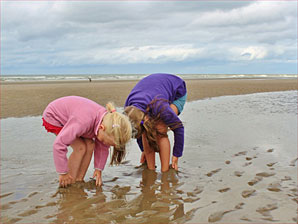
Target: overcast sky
[{"x": 95, "y": 37}]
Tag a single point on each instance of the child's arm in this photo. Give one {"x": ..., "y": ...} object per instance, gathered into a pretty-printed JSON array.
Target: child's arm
[
  {"x": 172, "y": 120},
  {"x": 101, "y": 153}
]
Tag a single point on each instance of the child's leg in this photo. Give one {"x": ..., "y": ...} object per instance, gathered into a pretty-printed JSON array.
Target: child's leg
[
  {"x": 164, "y": 154},
  {"x": 149, "y": 153},
  {"x": 75, "y": 159},
  {"x": 86, "y": 159},
  {"x": 164, "y": 147}
]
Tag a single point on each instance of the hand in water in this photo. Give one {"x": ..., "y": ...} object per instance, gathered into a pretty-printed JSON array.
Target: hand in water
[
  {"x": 65, "y": 180},
  {"x": 97, "y": 174},
  {"x": 175, "y": 162}
]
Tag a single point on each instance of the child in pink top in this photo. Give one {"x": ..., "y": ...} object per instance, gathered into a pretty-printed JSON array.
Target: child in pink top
[{"x": 85, "y": 126}]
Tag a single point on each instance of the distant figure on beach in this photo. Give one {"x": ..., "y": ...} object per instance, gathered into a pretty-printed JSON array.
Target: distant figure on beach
[
  {"x": 153, "y": 106},
  {"x": 89, "y": 77},
  {"x": 85, "y": 126}
]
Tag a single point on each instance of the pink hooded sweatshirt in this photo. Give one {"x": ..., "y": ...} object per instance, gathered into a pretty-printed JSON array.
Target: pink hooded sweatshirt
[{"x": 79, "y": 117}]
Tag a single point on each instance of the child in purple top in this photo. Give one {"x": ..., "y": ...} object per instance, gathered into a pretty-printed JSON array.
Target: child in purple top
[
  {"x": 85, "y": 126},
  {"x": 153, "y": 106}
]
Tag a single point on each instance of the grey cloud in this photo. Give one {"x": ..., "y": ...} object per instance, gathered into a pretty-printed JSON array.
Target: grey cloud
[{"x": 69, "y": 33}]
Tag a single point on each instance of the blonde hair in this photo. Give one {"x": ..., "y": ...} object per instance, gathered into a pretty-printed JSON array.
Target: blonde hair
[{"x": 119, "y": 126}]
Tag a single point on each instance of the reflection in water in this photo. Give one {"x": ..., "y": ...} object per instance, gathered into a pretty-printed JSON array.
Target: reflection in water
[
  {"x": 74, "y": 204},
  {"x": 159, "y": 201}
]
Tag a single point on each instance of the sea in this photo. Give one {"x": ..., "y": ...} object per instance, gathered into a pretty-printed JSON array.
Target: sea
[{"x": 100, "y": 77}]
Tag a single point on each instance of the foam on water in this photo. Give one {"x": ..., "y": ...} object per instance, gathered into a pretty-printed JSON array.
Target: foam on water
[{"x": 97, "y": 77}]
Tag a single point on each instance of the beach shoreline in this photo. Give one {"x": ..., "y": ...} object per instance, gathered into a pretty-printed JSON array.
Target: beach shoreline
[{"x": 19, "y": 99}]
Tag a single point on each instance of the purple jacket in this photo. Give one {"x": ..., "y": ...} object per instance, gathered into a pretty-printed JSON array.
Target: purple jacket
[
  {"x": 79, "y": 117},
  {"x": 160, "y": 86}
]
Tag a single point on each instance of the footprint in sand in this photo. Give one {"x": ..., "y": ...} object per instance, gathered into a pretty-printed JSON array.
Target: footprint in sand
[
  {"x": 28, "y": 213},
  {"x": 265, "y": 211},
  {"x": 32, "y": 194},
  {"x": 265, "y": 174},
  {"x": 270, "y": 164},
  {"x": 5, "y": 195},
  {"x": 214, "y": 217},
  {"x": 275, "y": 186},
  {"x": 241, "y": 153},
  {"x": 293, "y": 195},
  {"x": 244, "y": 218},
  {"x": 196, "y": 191},
  {"x": 239, "y": 206},
  {"x": 213, "y": 172},
  {"x": 270, "y": 218},
  {"x": 238, "y": 173},
  {"x": 46, "y": 205},
  {"x": 259, "y": 177},
  {"x": 192, "y": 195},
  {"x": 224, "y": 190},
  {"x": 286, "y": 178},
  {"x": 191, "y": 200},
  {"x": 247, "y": 164},
  {"x": 248, "y": 193},
  {"x": 255, "y": 180}
]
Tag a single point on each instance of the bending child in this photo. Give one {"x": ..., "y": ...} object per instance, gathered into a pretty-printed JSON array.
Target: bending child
[
  {"x": 153, "y": 106},
  {"x": 85, "y": 126}
]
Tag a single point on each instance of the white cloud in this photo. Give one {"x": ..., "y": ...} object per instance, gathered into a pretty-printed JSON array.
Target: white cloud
[
  {"x": 254, "y": 52},
  {"x": 156, "y": 54},
  {"x": 133, "y": 55},
  {"x": 255, "y": 13}
]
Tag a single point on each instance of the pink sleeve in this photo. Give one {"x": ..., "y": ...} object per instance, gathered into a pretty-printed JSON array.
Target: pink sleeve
[
  {"x": 101, "y": 153},
  {"x": 71, "y": 130}
]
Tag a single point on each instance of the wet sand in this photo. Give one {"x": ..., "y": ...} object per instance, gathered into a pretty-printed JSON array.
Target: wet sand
[
  {"x": 239, "y": 166},
  {"x": 30, "y": 99}
]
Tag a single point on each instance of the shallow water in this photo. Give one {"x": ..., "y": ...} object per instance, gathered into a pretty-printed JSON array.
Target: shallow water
[{"x": 239, "y": 165}]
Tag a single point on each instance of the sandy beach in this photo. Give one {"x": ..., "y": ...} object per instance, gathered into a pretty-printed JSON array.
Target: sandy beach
[
  {"x": 239, "y": 163},
  {"x": 30, "y": 99}
]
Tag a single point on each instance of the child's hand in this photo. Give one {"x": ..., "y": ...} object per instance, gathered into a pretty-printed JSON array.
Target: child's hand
[
  {"x": 65, "y": 180},
  {"x": 175, "y": 162},
  {"x": 97, "y": 174},
  {"x": 143, "y": 158}
]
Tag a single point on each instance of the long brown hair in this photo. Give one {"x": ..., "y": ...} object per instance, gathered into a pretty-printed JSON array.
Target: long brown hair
[{"x": 145, "y": 122}]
